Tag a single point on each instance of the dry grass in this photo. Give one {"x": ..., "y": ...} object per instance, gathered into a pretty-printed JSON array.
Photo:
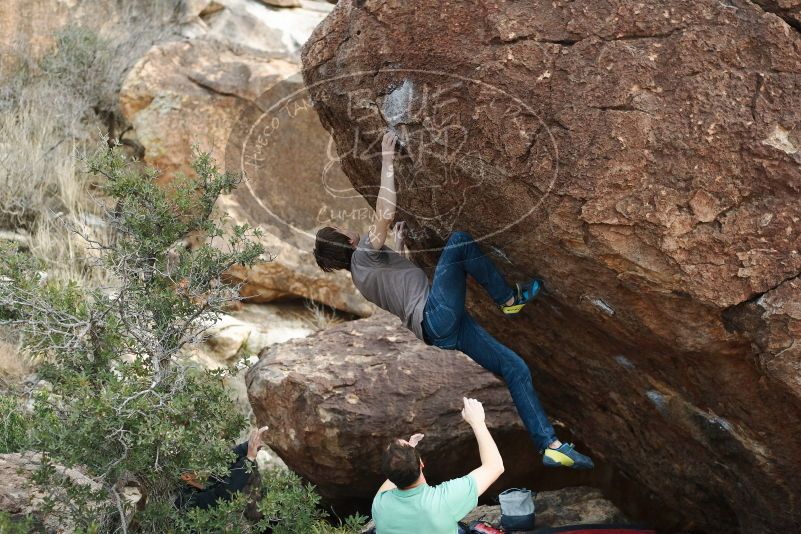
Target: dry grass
[
  {"x": 321, "y": 316},
  {"x": 13, "y": 365},
  {"x": 37, "y": 163},
  {"x": 58, "y": 106},
  {"x": 41, "y": 185},
  {"x": 53, "y": 109}
]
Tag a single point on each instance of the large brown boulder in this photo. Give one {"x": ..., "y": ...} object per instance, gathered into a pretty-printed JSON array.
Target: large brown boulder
[
  {"x": 644, "y": 159},
  {"x": 336, "y": 398}
]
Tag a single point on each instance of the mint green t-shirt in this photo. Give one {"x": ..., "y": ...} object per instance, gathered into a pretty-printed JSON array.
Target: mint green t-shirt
[{"x": 429, "y": 509}]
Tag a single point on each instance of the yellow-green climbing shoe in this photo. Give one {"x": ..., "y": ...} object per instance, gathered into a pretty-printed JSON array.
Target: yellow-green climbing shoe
[
  {"x": 523, "y": 295},
  {"x": 566, "y": 456}
]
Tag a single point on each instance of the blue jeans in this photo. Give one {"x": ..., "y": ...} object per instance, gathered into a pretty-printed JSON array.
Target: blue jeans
[{"x": 446, "y": 324}]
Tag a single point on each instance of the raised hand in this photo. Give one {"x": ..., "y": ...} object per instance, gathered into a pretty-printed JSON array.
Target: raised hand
[
  {"x": 473, "y": 411},
  {"x": 255, "y": 442},
  {"x": 415, "y": 439}
]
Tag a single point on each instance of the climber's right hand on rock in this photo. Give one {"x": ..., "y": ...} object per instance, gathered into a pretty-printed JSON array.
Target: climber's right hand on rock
[
  {"x": 388, "y": 145},
  {"x": 473, "y": 412}
]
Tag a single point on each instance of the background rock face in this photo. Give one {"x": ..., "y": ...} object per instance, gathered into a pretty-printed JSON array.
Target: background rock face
[
  {"x": 214, "y": 90},
  {"x": 644, "y": 159},
  {"x": 340, "y": 395},
  {"x": 21, "y": 497}
]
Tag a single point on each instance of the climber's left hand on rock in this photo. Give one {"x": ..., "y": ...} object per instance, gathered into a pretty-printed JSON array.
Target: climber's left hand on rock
[
  {"x": 400, "y": 234},
  {"x": 388, "y": 145}
]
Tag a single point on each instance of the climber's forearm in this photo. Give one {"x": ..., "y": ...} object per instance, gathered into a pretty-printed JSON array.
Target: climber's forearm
[
  {"x": 491, "y": 460},
  {"x": 387, "y": 195},
  {"x": 384, "y": 205},
  {"x": 487, "y": 449}
]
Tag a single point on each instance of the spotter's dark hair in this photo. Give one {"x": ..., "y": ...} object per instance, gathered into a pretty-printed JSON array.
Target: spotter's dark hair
[
  {"x": 332, "y": 250},
  {"x": 401, "y": 464}
]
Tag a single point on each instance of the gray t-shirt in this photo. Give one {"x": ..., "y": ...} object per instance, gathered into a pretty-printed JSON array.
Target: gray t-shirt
[{"x": 391, "y": 282}]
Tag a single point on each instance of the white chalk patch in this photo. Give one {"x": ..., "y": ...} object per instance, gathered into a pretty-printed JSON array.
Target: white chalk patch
[
  {"x": 624, "y": 362},
  {"x": 779, "y": 139},
  {"x": 657, "y": 398},
  {"x": 398, "y": 104},
  {"x": 603, "y": 306},
  {"x": 719, "y": 421}
]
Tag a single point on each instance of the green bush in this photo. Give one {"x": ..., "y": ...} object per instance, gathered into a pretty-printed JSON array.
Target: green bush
[
  {"x": 288, "y": 506},
  {"x": 291, "y": 507},
  {"x": 81, "y": 57},
  {"x": 11, "y": 525},
  {"x": 13, "y": 426},
  {"x": 123, "y": 404}
]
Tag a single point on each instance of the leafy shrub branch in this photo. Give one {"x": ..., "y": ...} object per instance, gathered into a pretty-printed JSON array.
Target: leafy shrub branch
[{"x": 121, "y": 403}]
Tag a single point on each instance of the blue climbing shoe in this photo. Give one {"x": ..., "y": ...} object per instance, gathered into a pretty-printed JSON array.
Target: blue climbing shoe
[
  {"x": 566, "y": 456},
  {"x": 523, "y": 295}
]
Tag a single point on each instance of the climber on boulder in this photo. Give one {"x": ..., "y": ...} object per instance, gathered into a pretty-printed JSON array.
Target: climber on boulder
[{"x": 436, "y": 313}]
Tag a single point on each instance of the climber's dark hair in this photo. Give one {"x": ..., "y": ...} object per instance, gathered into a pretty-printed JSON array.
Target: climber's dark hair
[
  {"x": 332, "y": 250},
  {"x": 401, "y": 464}
]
